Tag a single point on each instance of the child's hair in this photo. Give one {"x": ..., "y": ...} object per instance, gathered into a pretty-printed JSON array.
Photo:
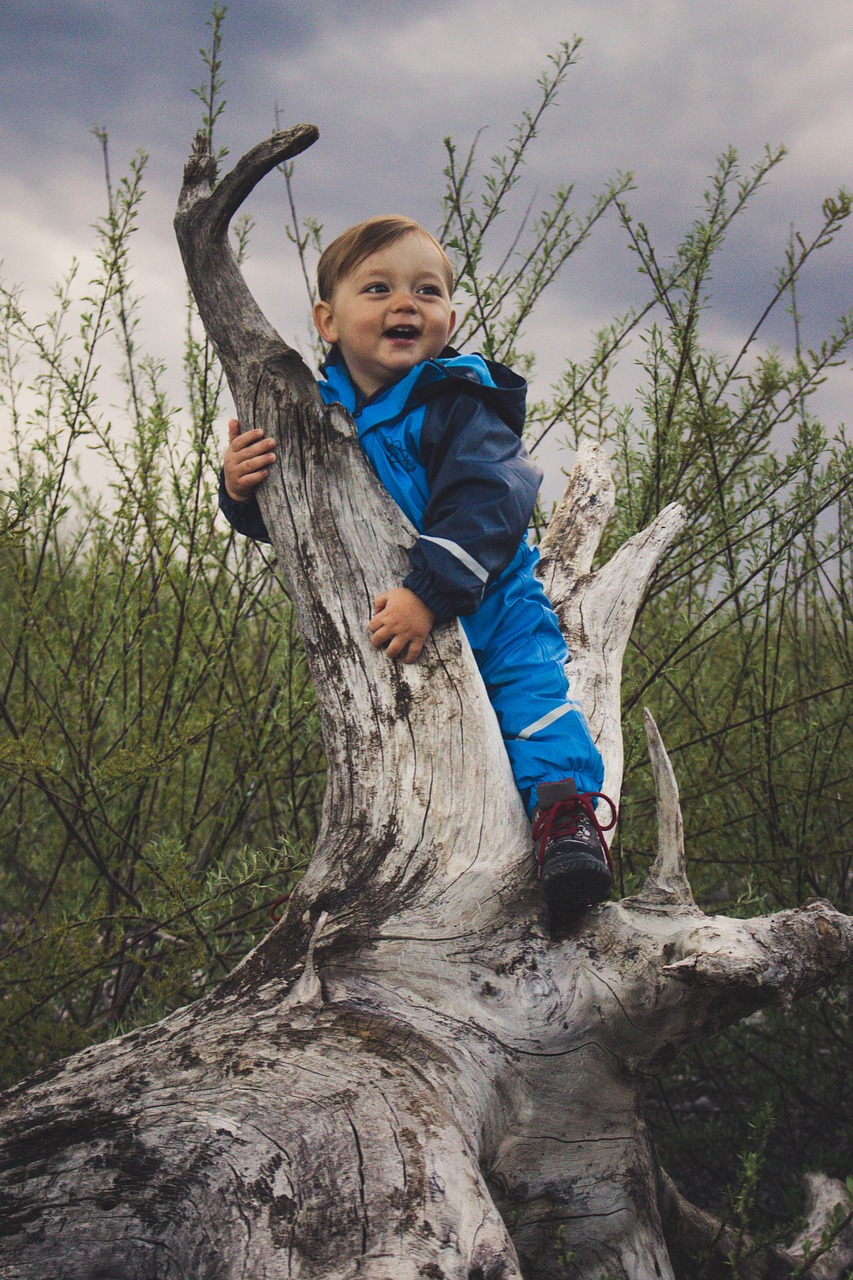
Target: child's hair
[{"x": 351, "y": 247}]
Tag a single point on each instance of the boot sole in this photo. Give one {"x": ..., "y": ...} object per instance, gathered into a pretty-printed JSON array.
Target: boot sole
[{"x": 574, "y": 881}]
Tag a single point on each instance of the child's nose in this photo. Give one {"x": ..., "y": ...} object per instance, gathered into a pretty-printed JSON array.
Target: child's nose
[{"x": 403, "y": 301}]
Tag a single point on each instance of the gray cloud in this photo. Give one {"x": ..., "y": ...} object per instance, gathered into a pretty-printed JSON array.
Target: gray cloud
[{"x": 661, "y": 88}]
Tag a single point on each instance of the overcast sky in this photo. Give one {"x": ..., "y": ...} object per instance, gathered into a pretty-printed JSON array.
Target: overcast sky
[{"x": 661, "y": 88}]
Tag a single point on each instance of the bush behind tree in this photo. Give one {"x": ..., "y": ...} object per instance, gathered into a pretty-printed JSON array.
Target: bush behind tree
[{"x": 157, "y": 710}]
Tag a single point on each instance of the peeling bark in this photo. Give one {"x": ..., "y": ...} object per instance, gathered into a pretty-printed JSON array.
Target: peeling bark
[{"x": 409, "y": 1077}]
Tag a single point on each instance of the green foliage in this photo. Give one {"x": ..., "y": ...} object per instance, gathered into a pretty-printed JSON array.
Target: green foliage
[
  {"x": 743, "y": 652},
  {"x": 210, "y": 91},
  {"x": 839, "y": 1220},
  {"x": 156, "y": 707},
  {"x": 502, "y": 296},
  {"x": 744, "y": 1194}
]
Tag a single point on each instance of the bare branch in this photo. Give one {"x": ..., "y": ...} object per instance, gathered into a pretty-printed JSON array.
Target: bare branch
[{"x": 667, "y": 881}]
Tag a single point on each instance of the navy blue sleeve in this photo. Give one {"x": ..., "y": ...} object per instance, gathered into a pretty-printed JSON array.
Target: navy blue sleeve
[
  {"x": 245, "y": 517},
  {"x": 483, "y": 488}
]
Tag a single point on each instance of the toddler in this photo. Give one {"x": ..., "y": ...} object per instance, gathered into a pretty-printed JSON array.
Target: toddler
[{"x": 442, "y": 432}]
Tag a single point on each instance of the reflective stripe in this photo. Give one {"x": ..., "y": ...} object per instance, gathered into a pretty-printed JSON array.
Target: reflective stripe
[
  {"x": 461, "y": 554},
  {"x": 545, "y": 720}
]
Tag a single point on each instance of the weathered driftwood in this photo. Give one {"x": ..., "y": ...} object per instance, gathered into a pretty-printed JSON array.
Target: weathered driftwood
[{"x": 409, "y": 1077}]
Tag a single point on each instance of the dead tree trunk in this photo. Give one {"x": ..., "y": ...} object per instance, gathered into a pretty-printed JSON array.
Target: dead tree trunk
[{"x": 409, "y": 1077}]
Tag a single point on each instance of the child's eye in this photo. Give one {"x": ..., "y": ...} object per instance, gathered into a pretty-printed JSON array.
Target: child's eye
[
  {"x": 376, "y": 287},
  {"x": 431, "y": 289}
]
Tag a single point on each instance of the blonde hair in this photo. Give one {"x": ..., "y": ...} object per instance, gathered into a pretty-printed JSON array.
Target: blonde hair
[{"x": 357, "y": 243}]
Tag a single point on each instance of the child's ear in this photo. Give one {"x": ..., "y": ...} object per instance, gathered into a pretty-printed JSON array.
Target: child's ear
[
  {"x": 452, "y": 324},
  {"x": 324, "y": 319}
]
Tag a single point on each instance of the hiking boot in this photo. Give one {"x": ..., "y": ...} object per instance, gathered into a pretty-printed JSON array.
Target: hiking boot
[{"x": 573, "y": 860}]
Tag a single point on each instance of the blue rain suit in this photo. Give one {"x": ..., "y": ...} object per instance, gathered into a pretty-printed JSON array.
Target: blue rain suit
[{"x": 445, "y": 442}]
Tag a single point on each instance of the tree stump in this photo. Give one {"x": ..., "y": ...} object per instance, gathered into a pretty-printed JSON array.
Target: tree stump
[{"x": 409, "y": 1077}]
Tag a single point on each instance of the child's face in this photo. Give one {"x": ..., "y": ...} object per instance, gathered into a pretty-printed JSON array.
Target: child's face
[{"x": 390, "y": 313}]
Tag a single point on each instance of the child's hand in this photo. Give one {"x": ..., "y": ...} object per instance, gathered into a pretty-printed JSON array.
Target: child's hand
[
  {"x": 401, "y": 622},
  {"x": 247, "y": 461}
]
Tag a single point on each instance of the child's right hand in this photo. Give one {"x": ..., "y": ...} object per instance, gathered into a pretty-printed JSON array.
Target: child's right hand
[{"x": 247, "y": 461}]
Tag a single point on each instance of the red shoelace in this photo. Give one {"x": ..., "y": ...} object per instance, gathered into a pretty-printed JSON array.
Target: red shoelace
[
  {"x": 563, "y": 819},
  {"x": 273, "y": 913}
]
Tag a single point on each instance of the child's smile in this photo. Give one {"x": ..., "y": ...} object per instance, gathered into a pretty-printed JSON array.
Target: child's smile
[{"x": 390, "y": 313}]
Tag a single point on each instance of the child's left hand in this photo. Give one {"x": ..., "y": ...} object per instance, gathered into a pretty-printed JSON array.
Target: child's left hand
[{"x": 401, "y": 623}]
